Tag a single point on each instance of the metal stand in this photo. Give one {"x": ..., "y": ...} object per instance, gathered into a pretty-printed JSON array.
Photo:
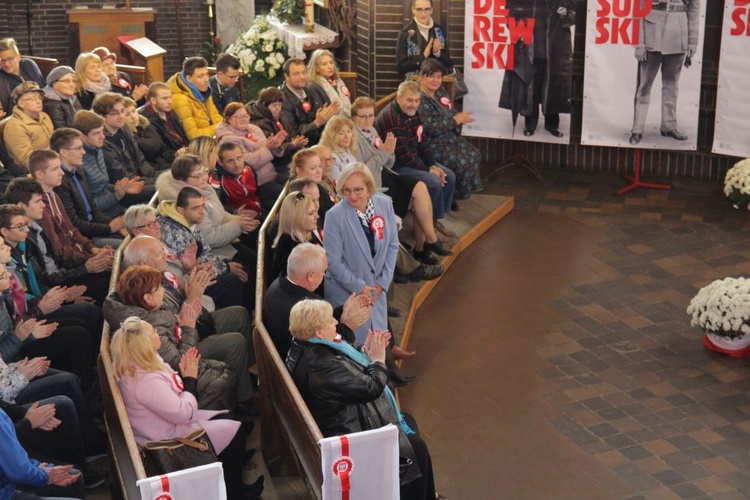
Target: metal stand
[
  {"x": 635, "y": 182},
  {"x": 29, "y": 15},
  {"x": 518, "y": 160}
]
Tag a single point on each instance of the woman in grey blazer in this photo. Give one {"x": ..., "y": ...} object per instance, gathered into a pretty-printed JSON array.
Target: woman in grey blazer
[{"x": 361, "y": 242}]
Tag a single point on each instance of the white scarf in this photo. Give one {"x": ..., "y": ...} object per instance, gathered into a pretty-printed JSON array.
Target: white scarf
[{"x": 424, "y": 29}]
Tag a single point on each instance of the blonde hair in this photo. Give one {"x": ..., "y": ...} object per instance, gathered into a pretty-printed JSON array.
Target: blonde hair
[
  {"x": 292, "y": 213},
  {"x": 333, "y": 127},
  {"x": 203, "y": 146},
  {"x": 308, "y": 317},
  {"x": 299, "y": 159},
  {"x": 84, "y": 59},
  {"x": 353, "y": 169},
  {"x": 312, "y": 65},
  {"x": 131, "y": 347}
]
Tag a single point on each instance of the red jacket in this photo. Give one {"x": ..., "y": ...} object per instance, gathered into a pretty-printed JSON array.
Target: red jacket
[{"x": 237, "y": 190}]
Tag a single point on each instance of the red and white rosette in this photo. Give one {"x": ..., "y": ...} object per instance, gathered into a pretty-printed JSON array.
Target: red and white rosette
[
  {"x": 249, "y": 135},
  {"x": 121, "y": 82},
  {"x": 343, "y": 467},
  {"x": 164, "y": 494},
  {"x": 171, "y": 279},
  {"x": 345, "y": 90},
  {"x": 377, "y": 224},
  {"x": 306, "y": 106},
  {"x": 445, "y": 101},
  {"x": 420, "y": 132},
  {"x": 377, "y": 142},
  {"x": 178, "y": 381},
  {"x": 178, "y": 332}
]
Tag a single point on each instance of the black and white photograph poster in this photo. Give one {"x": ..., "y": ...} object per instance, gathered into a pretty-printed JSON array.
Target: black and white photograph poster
[
  {"x": 642, "y": 73},
  {"x": 518, "y": 58}
]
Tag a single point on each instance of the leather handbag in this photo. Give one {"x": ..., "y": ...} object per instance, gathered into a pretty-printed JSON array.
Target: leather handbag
[
  {"x": 170, "y": 455},
  {"x": 459, "y": 84}
]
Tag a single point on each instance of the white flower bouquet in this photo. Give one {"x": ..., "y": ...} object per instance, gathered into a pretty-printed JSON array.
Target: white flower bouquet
[
  {"x": 260, "y": 51},
  {"x": 737, "y": 183},
  {"x": 722, "y": 310}
]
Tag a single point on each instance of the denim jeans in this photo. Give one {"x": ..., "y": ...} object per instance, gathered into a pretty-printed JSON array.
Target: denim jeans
[{"x": 441, "y": 196}]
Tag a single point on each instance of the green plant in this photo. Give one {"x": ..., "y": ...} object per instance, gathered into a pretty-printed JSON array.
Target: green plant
[
  {"x": 289, "y": 11},
  {"x": 210, "y": 50}
]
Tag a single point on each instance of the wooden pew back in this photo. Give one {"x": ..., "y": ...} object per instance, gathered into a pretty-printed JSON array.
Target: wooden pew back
[
  {"x": 123, "y": 450},
  {"x": 46, "y": 64},
  {"x": 290, "y": 434}
]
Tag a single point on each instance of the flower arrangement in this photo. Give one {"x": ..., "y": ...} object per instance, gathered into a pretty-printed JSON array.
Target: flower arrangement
[
  {"x": 737, "y": 183},
  {"x": 262, "y": 54},
  {"x": 722, "y": 310},
  {"x": 289, "y": 11}
]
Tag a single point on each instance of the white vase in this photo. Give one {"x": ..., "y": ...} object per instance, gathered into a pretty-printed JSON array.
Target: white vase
[{"x": 739, "y": 347}]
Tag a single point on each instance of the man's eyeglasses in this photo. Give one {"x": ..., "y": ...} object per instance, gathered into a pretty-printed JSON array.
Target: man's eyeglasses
[
  {"x": 9, "y": 60},
  {"x": 153, "y": 225},
  {"x": 234, "y": 78},
  {"x": 79, "y": 148},
  {"x": 21, "y": 227},
  {"x": 365, "y": 117},
  {"x": 422, "y": 10}
]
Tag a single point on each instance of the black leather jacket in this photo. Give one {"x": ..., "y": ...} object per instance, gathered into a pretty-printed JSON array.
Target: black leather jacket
[{"x": 343, "y": 396}]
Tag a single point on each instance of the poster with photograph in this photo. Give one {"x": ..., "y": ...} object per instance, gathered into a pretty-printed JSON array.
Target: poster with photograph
[
  {"x": 731, "y": 133},
  {"x": 518, "y": 61},
  {"x": 642, "y": 73}
]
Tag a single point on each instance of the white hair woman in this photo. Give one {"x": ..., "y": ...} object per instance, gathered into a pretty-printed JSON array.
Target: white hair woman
[{"x": 347, "y": 389}]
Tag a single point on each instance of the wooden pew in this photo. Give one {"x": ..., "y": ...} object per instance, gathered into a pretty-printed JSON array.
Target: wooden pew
[
  {"x": 289, "y": 432},
  {"x": 46, "y": 64},
  {"x": 137, "y": 74},
  {"x": 127, "y": 467},
  {"x": 350, "y": 80}
]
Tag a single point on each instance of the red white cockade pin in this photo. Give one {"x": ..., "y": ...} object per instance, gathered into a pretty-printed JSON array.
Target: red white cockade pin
[{"x": 376, "y": 226}]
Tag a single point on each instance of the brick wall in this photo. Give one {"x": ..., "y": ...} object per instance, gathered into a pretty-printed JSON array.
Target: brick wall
[{"x": 50, "y": 35}]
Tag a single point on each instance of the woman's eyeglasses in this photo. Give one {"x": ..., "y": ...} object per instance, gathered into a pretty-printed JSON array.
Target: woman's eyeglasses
[
  {"x": 357, "y": 190},
  {"x": 153, "y": 225},
  {"x": 423, "y": 10},
  {"x": 201, "y": 173}
]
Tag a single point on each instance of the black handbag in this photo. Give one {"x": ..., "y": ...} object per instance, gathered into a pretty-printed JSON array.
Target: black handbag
[
  {"x": 170, "y": 455},
  {"x": 459, "y": 84}
]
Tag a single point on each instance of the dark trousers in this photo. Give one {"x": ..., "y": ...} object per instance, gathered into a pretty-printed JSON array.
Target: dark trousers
[
  {"x": 68, "y": 349},
  {"x": 65, "y": 443},
  {"x": 424, "y": 487},
  {"x": 57, "y": 383},
  {"x": 551, "y": 120}
]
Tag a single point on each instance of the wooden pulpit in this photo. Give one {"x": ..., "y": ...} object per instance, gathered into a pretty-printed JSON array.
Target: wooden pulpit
[
  {"x": 91, "y": 28},
  {"x": 144, "y": 52}
]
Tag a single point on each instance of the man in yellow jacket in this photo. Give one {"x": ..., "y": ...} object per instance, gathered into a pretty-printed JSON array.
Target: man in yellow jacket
[{"x": 191, "y": 98}]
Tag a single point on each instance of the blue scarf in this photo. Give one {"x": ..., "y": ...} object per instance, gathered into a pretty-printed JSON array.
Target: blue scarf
[
  {"x": 197, "y": 93},
  {"x": 361, "y": 359}
]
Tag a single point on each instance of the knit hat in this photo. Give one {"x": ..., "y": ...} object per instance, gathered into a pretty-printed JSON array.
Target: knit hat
[
  {"x": 104, "y": 53},
  {"x": 57, "y": 73},
  {"x": 25, "y": 88}
]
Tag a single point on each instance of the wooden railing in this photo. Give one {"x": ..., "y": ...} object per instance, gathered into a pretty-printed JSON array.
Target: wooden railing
[
  {"x": 289, "y": 433},
  {"x": 126, "y": 458}
]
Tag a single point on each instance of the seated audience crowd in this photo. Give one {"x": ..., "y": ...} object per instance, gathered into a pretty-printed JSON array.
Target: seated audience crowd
[{"x": 187, "y": 172}]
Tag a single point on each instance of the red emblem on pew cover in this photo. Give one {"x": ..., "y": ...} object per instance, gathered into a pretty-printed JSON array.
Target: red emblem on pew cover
[{"x": 342, "y": 468}]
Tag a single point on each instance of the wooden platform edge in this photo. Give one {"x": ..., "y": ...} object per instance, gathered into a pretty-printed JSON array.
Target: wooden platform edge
[{"x": 464, "y": 242}]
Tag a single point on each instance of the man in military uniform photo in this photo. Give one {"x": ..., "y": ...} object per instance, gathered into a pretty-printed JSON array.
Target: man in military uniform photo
[{"x": 669, "y": 38}]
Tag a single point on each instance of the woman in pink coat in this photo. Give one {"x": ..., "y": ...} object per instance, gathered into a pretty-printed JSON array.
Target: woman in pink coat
[{"x": 161, "y": 404}]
